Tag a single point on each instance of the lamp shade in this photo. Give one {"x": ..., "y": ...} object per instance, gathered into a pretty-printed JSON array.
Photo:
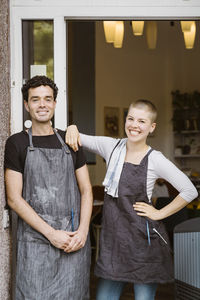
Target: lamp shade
[
  {"x": 151, "y": 34},
  {"x": 119, "y": 34},
  {"x": 186, "y": 25},
  {"x": 189, "y": 36},
  {"x": 137, "y": 27},
  {"x": 109, "y": 30}
]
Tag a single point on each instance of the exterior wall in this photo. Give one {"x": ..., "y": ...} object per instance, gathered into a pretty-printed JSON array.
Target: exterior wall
[{"x": 5, "y": 242}]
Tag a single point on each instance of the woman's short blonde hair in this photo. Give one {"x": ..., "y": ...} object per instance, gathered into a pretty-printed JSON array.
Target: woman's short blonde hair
[{"x": 146, "y": 105}]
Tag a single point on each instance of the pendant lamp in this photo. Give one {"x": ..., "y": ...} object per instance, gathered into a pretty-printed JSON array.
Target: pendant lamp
[
  {"x": 119, "y": 34},
  {"x": 109, "y": 30},
  {"x": 186, "y": 25},
  {"x": 151, "y": 34},
  {"x": 137, "y": 27},
  {"x": 189, "y": 36}
]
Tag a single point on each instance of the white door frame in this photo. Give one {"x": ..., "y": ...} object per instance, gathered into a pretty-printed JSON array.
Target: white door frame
[
  {"x": 58, "y": 11},
  {"x": 17, "y": 67}
]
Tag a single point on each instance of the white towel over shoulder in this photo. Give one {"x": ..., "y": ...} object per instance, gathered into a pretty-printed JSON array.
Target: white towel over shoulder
[{"x": 111, "y": 180}]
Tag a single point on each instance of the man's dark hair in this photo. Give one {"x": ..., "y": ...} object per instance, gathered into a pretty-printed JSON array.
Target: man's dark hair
[{"x": 37, "y": 81}]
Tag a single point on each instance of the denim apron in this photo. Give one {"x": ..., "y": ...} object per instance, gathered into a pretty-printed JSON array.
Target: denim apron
[
  {"x": 133, "y": 248},
  {"x": 50, "y": 188}
]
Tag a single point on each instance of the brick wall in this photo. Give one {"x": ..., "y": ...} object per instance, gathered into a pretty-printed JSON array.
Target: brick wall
[{"x": 5, "y": 241}]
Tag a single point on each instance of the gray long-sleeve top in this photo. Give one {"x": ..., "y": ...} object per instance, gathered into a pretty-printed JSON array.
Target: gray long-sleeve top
[{"x": 158, "y": 166}]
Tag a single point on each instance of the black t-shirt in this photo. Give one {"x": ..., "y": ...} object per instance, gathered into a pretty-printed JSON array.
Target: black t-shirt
[{"x": 16, "y": 149}]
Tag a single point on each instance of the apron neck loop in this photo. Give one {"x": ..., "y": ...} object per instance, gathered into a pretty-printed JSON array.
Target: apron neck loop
[
  {"x": 61, "y": 141},
  {"x": 31, "y": 147},
  {"x": 30, "y": 139}
]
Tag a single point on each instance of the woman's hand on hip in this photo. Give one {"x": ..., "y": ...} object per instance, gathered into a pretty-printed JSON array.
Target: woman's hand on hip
[{"x": 146, "y": 210}]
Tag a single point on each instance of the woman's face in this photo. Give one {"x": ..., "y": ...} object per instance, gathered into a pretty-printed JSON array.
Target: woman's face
[{"x": 138, "y": 124}]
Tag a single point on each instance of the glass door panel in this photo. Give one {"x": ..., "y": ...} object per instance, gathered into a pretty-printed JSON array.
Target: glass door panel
[{"x": 38, "y": 54}]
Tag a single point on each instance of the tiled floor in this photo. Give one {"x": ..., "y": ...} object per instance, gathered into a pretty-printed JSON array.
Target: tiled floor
[{"x": 164, "y": 292}]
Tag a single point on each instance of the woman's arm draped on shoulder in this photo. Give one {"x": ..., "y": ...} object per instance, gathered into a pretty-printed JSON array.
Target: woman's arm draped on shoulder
[
  {"x": 100, "y": 145},
  {"x": 72, "y": 137}
]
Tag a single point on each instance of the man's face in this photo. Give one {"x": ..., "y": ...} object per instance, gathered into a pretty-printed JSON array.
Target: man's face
[{"x": 41, "y": 104}]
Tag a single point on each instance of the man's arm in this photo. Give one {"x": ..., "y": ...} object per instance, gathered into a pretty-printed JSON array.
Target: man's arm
[
  {"x": 80, "y": 236},
  {"x": 14, "y": 185}
]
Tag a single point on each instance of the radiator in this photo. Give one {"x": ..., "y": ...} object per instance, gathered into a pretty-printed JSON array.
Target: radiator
[{"x": 187, "y": 260}]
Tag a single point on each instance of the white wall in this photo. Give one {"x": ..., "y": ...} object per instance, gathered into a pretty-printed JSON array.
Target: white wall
[{"x": 134, "y": 71}]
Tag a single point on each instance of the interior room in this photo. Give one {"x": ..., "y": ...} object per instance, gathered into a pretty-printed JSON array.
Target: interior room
[{"x": 161, "y": 73}]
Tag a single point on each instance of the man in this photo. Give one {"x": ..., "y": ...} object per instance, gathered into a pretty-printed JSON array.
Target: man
[{"x": 48, "y": 186}]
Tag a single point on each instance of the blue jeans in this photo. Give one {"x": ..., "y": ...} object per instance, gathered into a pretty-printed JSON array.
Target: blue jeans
[{"x": 112, "y": 290}]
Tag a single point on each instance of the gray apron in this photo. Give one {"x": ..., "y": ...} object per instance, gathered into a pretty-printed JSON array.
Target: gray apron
[
  {"x": 133, "y": 248},
  {"x": 50, "y": 188}
]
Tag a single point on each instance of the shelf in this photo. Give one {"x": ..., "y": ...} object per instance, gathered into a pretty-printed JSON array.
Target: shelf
[
  {"x": 187, "y": 156},
  {"x": 187, "y": 132}
]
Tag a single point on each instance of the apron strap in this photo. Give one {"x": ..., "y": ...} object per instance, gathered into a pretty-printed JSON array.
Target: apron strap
[
  {"x": 112, "y": 152},
  {"x": 31, "y": 147},
  {"x": 149, "y": 151},
  {"x": 61, "y": 141}
]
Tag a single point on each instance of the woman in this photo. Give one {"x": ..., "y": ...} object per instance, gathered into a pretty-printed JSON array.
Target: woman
[{"x": 134, "y": 246}]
